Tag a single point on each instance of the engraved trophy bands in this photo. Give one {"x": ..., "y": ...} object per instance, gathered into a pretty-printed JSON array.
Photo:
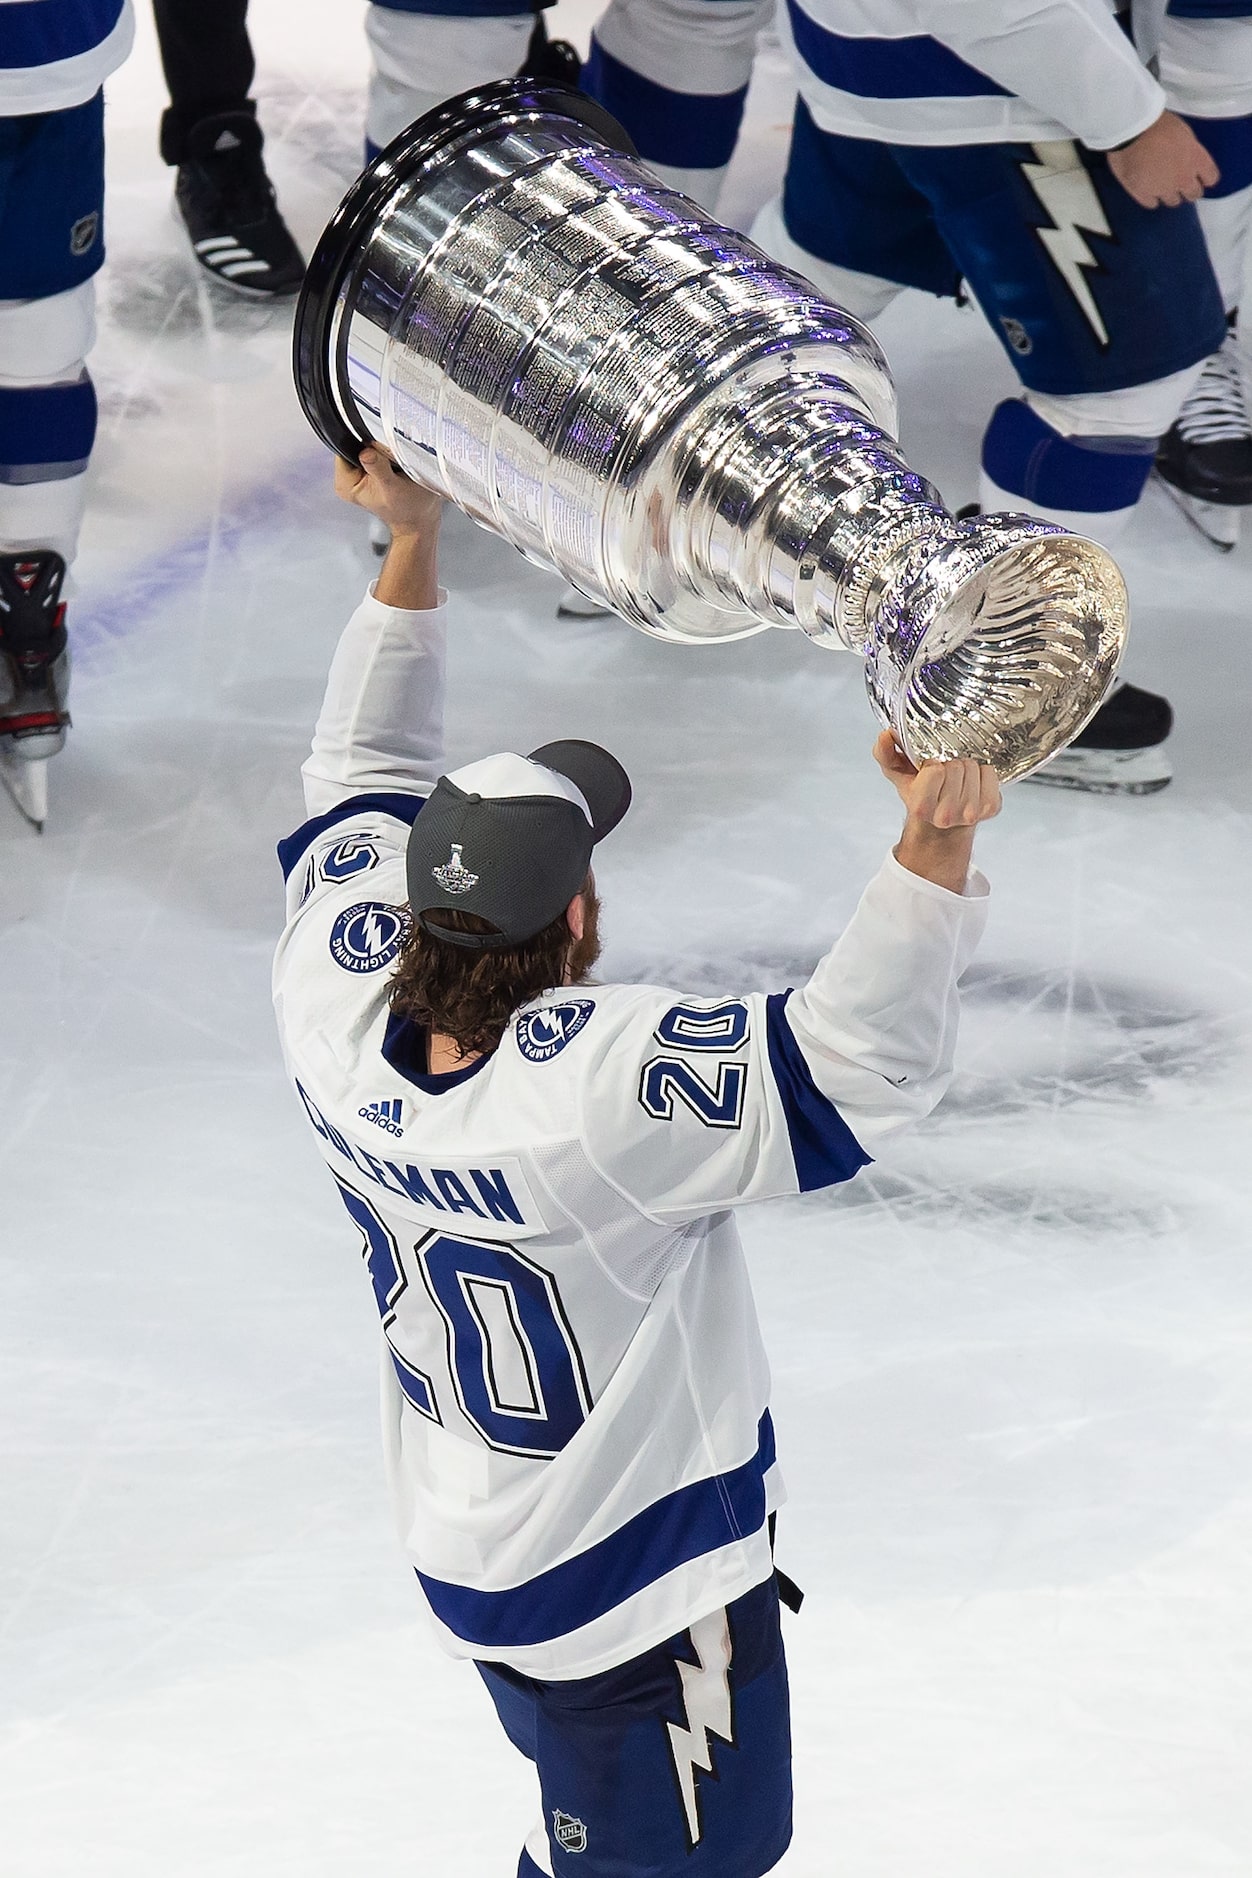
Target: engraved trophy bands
[{"x": 636, "y": 396}]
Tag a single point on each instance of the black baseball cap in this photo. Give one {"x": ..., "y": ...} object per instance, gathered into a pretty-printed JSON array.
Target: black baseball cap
[{"x": 510, "y": 839}]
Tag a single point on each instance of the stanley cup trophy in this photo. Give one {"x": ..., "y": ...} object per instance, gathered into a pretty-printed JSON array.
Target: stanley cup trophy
[{"x": 639, "y": 398}]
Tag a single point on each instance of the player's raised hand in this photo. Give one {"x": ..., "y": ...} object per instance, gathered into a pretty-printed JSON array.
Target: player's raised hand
[
  {"x": 1164, "y": 165},
  {"x": 959, "y": 794},
  {"x": 944, "y": 803},
  {"x": 409, "y": 577},
  {"x": 380, "y": 486}
]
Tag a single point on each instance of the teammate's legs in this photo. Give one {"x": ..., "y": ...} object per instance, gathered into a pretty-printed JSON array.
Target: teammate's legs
[
  {"x": 1205, "y": 459},
  {"x": 210, "y": 134},
  {"x": 208, "y": 63},
  {"x": 675, "y": 75},
  {"x": 677, "y": 1764},
  {"x": 422, "y": 54},
  {"x": 51, "y": 244},
  {"x": 1107, "y": 311},
  {"x": 851, "y": 222}
]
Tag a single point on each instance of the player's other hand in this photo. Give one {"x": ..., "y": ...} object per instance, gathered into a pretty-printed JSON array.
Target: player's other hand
[
  {"x": 952, "y": 795},
  {"x": 377, "y": 484},
  {"x": 1164, "y": 165}
]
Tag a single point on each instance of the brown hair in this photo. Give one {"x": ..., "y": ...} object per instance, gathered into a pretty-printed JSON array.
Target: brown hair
[{"x": 469, "y": 995}]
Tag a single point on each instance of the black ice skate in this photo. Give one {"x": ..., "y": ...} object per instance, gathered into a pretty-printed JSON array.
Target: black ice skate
[
  {"x": 227, "y": 202},
  {"x": 1205, "y": 459},
  {"x": 1119, "y": 753},
  {"x": 34, "y": 675}
]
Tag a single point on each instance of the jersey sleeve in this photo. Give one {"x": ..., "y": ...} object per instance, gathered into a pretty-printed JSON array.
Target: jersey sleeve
[
  {"x": 1069, "y": 58},
  {"x": 691, "y": 1106},
  {"x": 377, "y": 750}
]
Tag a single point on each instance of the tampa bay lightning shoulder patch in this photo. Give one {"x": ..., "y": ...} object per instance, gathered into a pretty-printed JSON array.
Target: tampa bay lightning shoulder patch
[
  {"x": 541, "y": 1035},
  {"x": 367, "y": 936}
]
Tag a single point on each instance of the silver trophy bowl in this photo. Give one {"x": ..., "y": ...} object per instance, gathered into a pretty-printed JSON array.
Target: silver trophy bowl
[{"x": 637, "y": 397}]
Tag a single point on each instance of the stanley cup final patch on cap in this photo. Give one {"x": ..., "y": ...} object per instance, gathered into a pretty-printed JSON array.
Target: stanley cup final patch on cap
[{"x": 454, "y": 877}]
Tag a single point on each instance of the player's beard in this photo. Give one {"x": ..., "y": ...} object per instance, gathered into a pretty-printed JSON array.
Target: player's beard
[{"x": 584, "y": 952}]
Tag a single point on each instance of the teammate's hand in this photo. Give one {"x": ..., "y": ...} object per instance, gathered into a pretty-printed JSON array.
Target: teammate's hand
[
  {"x": 945, "y": 796},
  {"x": 376, "y": 484},
  {"x": 1164, "y": 165}
]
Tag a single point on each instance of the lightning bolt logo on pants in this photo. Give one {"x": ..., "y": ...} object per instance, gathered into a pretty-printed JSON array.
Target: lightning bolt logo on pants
[
  {"x": 706, "y": 1701},
  {"x": 1068, "y": 197}
]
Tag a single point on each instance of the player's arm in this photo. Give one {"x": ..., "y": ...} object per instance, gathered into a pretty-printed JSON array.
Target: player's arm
[
  {"x": 876, "y": 1025},
  {"x": 694, "y": 1105},
  {"x": 380, "y": 729}
]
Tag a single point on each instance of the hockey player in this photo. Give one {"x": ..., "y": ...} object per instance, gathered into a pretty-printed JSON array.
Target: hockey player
[
  {"x": 1028, "y": 152},
  {"x": 542, "y": 1173},
  {"x": 210, "y": 135},
  {"x": 53, "y": 61},
  {"x": 1205, "y": 64}
]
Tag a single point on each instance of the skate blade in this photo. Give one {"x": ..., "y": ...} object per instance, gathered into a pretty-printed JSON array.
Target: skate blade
[
  {"x": 1105, "y": 772},
  {"x": 1218, "y": 523},
  {"x": 27, "y": 784}
]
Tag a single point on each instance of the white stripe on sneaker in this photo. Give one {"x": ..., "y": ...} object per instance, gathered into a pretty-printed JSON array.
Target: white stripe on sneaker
[{"x": 245, "y": 267}]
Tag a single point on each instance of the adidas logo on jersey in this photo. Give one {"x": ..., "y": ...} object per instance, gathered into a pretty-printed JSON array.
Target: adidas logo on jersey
[
  {"x": 385, "y": 1114},
  {"x": 227, "y": 141}
]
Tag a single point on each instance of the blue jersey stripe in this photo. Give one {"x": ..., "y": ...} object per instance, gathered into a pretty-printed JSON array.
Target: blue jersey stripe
[
  {"x": 823, "y": 1147},
  {"x": 914, "y": 67},
  {"x": 42, "y": 32},
  {"x": 688, "y": 130},
  {"x": 684, "y": 1525},
  {"x": 1228, "y": 141},
  {"x": 405, "y": 808}
]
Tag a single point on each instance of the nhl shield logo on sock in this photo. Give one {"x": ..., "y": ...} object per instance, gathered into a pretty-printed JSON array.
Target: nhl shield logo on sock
[
  {"x": 569, "y": 1833},
  {"x": 453, "y": 877}
]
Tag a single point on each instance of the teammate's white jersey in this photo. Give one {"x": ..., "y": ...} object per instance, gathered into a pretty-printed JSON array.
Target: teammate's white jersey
[
  {"x": 971, "y": 71},
  {"x": 55, "y": 54},
  {"x": 575, "y": 1393}
]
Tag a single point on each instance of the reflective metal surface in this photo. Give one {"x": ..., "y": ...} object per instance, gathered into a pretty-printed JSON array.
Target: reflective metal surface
[{"x": 637, "y": 397}]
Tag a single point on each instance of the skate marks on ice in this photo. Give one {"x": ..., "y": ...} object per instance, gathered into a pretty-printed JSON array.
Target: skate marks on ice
[{"x": 1008, "y": 1463}]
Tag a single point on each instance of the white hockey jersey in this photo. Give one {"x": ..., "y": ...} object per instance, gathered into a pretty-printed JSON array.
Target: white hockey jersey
[
  {"x": 575, "y": 1395},
  {"x": 971, "y": 71},
  {"x": 55, "y": 54}
]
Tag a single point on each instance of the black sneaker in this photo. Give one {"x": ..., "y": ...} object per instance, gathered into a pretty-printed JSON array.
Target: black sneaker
[
  {"x": 227, "y": 202},
  {"x": 1119, "y": 753}
]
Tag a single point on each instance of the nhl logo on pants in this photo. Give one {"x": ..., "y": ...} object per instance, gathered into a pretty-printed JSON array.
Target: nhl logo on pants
[
  {"x": 569, "y": 1833},
  {"x": 83, "y": 233}
]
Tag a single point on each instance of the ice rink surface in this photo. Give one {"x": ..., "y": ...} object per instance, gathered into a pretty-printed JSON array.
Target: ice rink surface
[{"x": 1013, "y": 1388}]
